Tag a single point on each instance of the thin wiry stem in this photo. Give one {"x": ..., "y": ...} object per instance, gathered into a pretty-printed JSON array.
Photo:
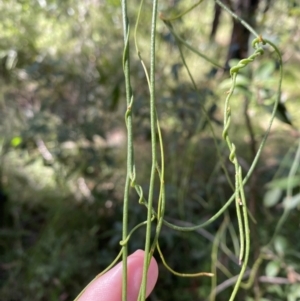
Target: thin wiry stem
[
  {"x": 202, "y": 121},
  {"x": 247, "y": 236},
  {"x": 128, "y": 119},
  {"x": 257, "y": 156},
  {"x": 239, "y": 191},
  {"x": 153, "y": 150}
]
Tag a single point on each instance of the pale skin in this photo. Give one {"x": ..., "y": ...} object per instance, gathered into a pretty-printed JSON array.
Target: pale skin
[{"x": 109, "y": 286}]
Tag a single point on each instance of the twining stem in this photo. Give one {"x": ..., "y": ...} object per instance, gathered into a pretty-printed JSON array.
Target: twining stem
[
  {"x": 239, "y": 195},
  {"x": 257, "y": 156},
  {"x": 247, "y": 236},
  {"x": 128, "y": 119},
  {"x": 244, "y": 228},
  {"x": 162, "y": 198},
  {"x": 153, "y": 117}
]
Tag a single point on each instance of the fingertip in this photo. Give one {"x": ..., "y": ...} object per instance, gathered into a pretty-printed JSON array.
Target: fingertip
[
  {"x": 152, "y": 276},
  {"x": 109, "y": 286},
  {"x": 135, "y": 274}
]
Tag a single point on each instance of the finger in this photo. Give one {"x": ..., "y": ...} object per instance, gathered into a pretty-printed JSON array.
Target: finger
[{"x": 109, "y": 286}]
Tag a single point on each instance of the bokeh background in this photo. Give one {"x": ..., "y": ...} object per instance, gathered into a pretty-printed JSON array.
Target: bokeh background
[{"x": 63, "y": 145}]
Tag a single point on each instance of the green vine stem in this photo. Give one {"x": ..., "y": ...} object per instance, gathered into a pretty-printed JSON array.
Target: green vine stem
[
  {"x": 234, "y": 238},
  {"x": 136, "y": 43},
  {"x": 258, "y": 154},
  {"x": 142, "y": 295},
  {"x": 247, "y": 236},
  {"x": 128, "y": 119},
  {"x": 227, "y": 119},
  {"x": 190, "y": 150},
  {"x": 240, "y": 182},
  {"x": 238, "y": 195},
  {"x": 162, "y": 198}
]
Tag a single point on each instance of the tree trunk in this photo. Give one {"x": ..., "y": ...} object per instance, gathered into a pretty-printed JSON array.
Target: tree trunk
[{"x": 238, "y": 48}]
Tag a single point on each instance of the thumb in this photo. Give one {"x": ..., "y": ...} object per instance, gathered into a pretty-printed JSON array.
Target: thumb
[{"x": 109, "y": 286}]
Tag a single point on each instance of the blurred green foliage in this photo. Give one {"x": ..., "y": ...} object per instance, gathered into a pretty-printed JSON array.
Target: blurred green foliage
[{"x": 63, "y": 154}]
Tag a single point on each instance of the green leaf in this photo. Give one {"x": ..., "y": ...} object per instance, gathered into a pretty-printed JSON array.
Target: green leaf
[
  {"x": 295, "y": 11},
  {"x": 276, "y": 289},
  {"x": 283, "y": 182},
  {"x": 272, "y": 268},
  {"x": 272, "y": 197},
  {"x": 292, "y": 202},
  {"x": 294, "y": 292},
  {"x": 16, "y": 141},
  {"x": 280, "y": 245}
]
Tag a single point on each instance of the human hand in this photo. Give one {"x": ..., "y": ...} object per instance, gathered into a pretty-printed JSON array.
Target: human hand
[{"x": 109, "y": 286}]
